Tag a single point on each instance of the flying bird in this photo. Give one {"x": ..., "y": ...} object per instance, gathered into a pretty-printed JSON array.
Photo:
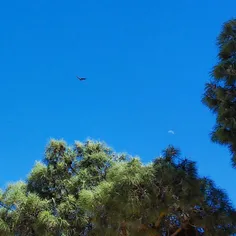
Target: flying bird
[
  {"x": 81, "y": 78},
  {"x": 171, "y": 132}
]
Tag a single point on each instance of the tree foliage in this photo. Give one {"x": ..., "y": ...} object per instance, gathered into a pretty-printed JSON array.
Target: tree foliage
[
  {"x": 220, "y": 92},
  {"x": 88, "y": 189}
]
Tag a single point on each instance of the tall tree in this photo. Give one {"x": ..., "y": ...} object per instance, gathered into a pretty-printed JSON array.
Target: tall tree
[
  {"x": 87, "y": 189},
  {"x": 164, "y": 198},
  {"x": 220, "y": 92}
]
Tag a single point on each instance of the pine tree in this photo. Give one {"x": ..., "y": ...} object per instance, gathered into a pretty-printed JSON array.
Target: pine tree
[
  {"x": 166, "y": 197},
  {"x": 220, "y": 92},
  {"x": 87, "y": 189}
]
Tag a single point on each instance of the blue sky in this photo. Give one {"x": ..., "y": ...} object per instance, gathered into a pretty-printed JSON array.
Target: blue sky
[{"x": 146, "y": 63}]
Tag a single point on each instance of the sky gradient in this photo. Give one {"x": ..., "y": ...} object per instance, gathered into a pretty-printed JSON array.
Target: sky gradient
[{"x": 146, "y": 64}]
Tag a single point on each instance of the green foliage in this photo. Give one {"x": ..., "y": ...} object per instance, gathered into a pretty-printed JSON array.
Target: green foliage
[
  {"x": 88, "y": 189},
  {"x": 220, "y": 92}
]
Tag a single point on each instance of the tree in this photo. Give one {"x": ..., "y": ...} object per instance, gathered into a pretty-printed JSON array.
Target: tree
[
  {"x": 220, "y": 92},
  {"x": 88, "y": 189},
  {"x": 165, "y": 197}
]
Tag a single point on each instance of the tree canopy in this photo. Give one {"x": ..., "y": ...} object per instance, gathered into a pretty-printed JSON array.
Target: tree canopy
[
  {"x": 88, "y": 189},
  {"x": 220, "y": 92}
]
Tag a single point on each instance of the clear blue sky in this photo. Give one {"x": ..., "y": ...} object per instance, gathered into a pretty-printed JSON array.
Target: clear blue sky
[{"x": 146, "y": 63}]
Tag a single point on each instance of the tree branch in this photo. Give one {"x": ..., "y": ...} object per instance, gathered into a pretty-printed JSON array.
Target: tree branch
[
  {"x": 176, "y": 232},
  {"x": 158, "y": 222},
  {"x": 123, "y": 229}
]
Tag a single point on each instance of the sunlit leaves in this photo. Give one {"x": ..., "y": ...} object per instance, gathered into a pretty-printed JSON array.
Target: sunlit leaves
[{"x": 87, "y": 189}]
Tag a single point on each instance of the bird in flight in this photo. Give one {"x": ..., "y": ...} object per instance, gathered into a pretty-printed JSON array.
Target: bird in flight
[
  {"x": 81, "y": 78},
  {"x": 171, "y": 132}
]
